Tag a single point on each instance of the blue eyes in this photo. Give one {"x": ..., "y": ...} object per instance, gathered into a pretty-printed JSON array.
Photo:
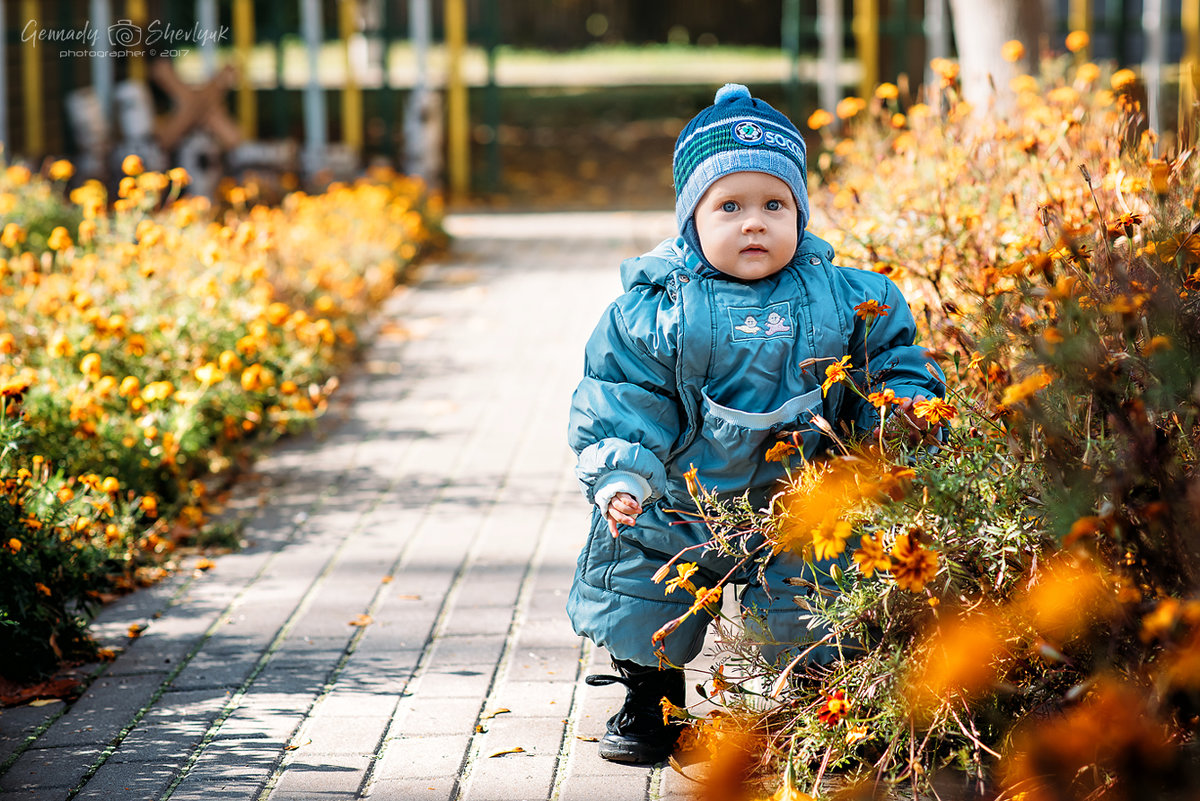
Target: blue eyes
[{"x": 730, "y": 206}]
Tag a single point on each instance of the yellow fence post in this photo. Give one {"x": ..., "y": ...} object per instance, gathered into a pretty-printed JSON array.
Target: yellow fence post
[
  {"x": 1079, "y": 18},
  {"x": 137, "y": 14},
  {"x": 31, "y": 84},
  {"x": 352, "y": 106},
  {"x": 866, "y": 35},
  {"x": 243, "y": 46},
  {"x": 1189, "y": 69},
  {"x": 458, "y": 166}
]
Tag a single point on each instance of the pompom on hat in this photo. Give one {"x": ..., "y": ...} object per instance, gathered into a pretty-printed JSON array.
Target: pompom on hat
[{"x": 737, "y": 133}]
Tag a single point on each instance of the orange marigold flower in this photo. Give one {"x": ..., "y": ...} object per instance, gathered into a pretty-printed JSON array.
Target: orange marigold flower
[
  {"x": 1012, "y": 51},
  {"x": 1077, "y": 40},
  {"x": 847, "y": 107},
  {"x": 945, "y": 69},
  {"x": 132, "y": 165},
  {"x": 883, "y": 399},
  {"x": 14, "y": 545},
  {"x": 90, "y": 366},
  {"x": 870, "y": 309},
  {"x": 934, "y": 411},
  {"x": 829, "y": 538},
  {"x": 887, "y": 91},
  {"x": 1022, "y": 390},
  {"x": 61, "y": 170},
  {"x": 913, "y": 565},
  {"x": 780, "y": 451},
  {"x": 836, "y": 707},
  {"x": 704, "y": 597},
  {"x": 819, "y": 119},
  {"x": 1123, "y": 80},
  {"x": 870, "y": 556},
  {"x": 13, "y": 235},
  {"x": 834, "y": 373},
  {"x": 683, "y": 580},
  {"x": 1087, "y": 73},
  {"x": 59, "y": 239}
]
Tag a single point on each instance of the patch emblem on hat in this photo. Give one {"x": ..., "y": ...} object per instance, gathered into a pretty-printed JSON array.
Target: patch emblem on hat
[{"x": 748, "y": 132}]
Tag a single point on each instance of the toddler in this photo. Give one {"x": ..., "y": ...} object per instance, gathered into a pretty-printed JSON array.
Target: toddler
[{"x": 705, "y": 362}]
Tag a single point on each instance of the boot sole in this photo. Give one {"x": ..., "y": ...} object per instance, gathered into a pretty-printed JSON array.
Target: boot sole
[{"x": 632, "y": 753}]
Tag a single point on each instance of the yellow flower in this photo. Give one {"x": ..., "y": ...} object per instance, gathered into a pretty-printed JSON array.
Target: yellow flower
[
  {"x": 847, "y": 107},
  {"x": 887, "y": 91},
  {"x": 780, "y": 451},
  {"x": 256, "y": 377},
  {"x": 870, "y": 309},
  {"x": 13, "y": 235},
  {"x": 229, "y": 361},
  {"x": 18, "y": 175},
  {"x": 59, "y": 239},
  {"x": 830, "y": 540},
  {"x": 1123, "y": 80},
  {"x": 61, "y": 170},
  {"x": 1077, "y": 40},
  {"x": 1087, "y": 73},
  {"x": 1012, "y": 51},
  {"x": 90, "y": 366},
  {"x": 132, "y": 165},
  {"x": 934, "y": 411},
  {"x": 946, "y": 69},
  {"x": 60, "y": 346},
  {"x": 179, "y": 176},
  {"x": 1024, "y": 84},
  {"x": 208, "y": 374},
  {"x": 834, "y": 373},
  {"x": 870, "y": 556},
  {"x": 1019, "y": 392},
  {"x": 883, "y": 399},
  {"x": 819, "y": 119},
  {"x": 913, "y": 565},
  {"x": 685, "y": 571}
]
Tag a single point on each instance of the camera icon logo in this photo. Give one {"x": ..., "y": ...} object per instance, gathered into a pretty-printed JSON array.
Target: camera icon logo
[{"x": 124, "y": 34}]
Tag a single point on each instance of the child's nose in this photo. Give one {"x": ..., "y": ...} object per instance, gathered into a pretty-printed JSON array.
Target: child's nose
[{"x": 753, "y": 223}]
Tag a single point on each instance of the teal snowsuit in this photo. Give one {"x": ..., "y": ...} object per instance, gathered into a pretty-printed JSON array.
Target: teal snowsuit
[{"x": 692, "y": 368}]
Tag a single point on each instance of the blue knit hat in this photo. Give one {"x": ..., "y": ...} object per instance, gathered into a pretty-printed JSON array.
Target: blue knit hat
[{"x": 737, "y": 133}]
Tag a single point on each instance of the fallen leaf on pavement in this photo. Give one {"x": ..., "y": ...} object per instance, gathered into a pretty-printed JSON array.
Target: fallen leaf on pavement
[
  {"x": 362, "y": 620},
  {"x": 514, "y": 750}
]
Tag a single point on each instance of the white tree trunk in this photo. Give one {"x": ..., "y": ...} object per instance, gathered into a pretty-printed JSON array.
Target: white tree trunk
[{"x": 981, "y": 27}]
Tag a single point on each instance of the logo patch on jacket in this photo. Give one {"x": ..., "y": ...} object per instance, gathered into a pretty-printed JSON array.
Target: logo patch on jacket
[{"x": 760, "y": 322}]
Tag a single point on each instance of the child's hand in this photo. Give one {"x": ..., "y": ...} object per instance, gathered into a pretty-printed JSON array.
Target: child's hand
[
  {"x": 913, "y": 428},
  {"x": 623, "y": 509}
]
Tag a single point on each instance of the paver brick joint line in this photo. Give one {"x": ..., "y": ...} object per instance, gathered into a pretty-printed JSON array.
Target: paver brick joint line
[{"x": 440, "y": 514}]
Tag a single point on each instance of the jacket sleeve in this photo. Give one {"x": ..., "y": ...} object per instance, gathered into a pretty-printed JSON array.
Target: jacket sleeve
[
  {"x": 625, "y": 415},
  {"x": 888, "y": 350}
]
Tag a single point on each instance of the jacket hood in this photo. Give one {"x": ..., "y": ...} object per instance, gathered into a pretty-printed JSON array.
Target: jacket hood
[{"x": 652, "y": 269}]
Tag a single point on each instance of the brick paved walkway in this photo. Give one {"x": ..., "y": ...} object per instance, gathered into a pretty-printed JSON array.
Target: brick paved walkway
[{"x": 440, "y": 511}]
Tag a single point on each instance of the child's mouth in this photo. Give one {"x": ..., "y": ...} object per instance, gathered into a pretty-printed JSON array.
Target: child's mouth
[{"x": 753, "y": 250}]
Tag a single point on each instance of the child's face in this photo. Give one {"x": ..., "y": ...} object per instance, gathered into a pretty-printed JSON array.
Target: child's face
[{"x": 746, "y": 223}]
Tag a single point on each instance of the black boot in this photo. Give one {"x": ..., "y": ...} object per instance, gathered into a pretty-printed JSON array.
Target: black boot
[{"x": 637, "y": 734}]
